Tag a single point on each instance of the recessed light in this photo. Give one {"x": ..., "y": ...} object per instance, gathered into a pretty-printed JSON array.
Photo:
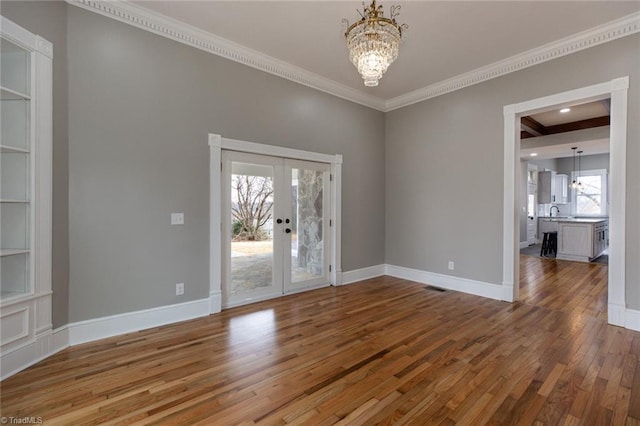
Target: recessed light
[
  {"x": 533, "y": 154},
  {"x": 564, "y": 110}
]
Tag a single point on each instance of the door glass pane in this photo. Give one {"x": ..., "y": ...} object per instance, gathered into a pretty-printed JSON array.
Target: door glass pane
[
  {"x": 307, "y": 245},
  {"x": 531, "y": 207},
  {"x": 251, "y": 227}
]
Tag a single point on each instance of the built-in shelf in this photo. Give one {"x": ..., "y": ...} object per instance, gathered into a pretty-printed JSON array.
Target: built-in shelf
[
  {"x": 7, "y": 94},
  {"x": 25, "y": 197},
  {"x": 12, "y": 252},
  {"x": 11, "y": 294},
  {"x": 9, "y": 200},
  {"x": 6, "y": 149}
]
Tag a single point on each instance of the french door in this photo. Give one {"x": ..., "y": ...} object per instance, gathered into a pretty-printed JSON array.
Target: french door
[{"x": 275, "y": 226}]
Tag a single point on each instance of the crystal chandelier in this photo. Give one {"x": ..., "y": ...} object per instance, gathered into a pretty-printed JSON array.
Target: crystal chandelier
[{"x": 373, "y": 42}]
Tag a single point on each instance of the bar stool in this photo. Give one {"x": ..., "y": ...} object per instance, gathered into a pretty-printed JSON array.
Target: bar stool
[{"x": 549, "y": 244}]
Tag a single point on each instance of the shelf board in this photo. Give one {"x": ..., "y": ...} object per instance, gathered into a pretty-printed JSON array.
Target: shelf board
[
  {"x": 6, "y": 149},
  {"x": 8, "y": 200},
  {"x": 12, "y": 252},
  {"x": 7, "y": 94},
  {"x": 8, "y": 295}
]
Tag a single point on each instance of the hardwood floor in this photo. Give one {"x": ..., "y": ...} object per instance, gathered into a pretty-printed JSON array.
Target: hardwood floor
[
  {"x": 384, "y": 351},
  {"x": 572, "y": 287}
]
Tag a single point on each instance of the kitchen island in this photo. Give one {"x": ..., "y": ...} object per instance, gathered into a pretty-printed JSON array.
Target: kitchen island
[{"x": 580, "y": 239}]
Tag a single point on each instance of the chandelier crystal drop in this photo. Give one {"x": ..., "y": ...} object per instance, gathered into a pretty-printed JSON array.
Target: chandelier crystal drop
[{"x": 373, "y": 42}]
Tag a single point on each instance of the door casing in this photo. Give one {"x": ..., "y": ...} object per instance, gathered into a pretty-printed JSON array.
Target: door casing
[
  {"x": 617, "y": 90},
  {"x": 282, "y": 282},
  {"x": 216, "y": 144}
]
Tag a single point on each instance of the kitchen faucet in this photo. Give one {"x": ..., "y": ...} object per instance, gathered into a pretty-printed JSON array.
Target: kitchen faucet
[{"x": 551, "y": 210}]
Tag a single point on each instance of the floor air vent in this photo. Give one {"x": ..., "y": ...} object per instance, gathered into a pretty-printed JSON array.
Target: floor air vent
[{"x": 439, "y": 290}]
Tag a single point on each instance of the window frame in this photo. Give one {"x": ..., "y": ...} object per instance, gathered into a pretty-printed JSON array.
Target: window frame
[{"x": 604, "y": 179}]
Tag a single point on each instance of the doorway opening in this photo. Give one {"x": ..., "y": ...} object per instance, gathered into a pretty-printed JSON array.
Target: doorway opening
[
  {"x": 273, "y": 221},
  {"x": 276, "y": 221},
  {"x": 616, "y": 90},
  {"x": 573, "y": 191}
]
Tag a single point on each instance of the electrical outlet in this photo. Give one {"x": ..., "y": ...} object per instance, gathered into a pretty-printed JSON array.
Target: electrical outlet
[
  {"x": 177, "y": 218},
  {"x": 451, "y": 265},
  {"x": 179, "y": 289}
]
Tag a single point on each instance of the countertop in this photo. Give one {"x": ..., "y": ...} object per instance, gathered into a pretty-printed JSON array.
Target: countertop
[{"x": 573, "y": 219}]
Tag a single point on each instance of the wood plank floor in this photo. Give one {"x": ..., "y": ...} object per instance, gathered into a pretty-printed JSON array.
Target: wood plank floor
[{"x": 384, "y": 351}]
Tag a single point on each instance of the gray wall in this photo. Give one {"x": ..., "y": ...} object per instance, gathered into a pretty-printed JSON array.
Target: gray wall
[
  {"x": 587, "y": 162},
  {"x": 140, "y": 107},
  {"x": 131, "y": 115},
  {"x": 546, "y": 164},
  {"x": 444, "y": 166}
]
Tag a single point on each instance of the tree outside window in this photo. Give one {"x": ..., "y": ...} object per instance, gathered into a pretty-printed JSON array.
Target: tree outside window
[{"x": 591, "y": 200}]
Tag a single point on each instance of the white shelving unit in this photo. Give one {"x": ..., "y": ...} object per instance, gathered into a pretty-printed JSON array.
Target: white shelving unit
[{"x": 25, "y": 197}]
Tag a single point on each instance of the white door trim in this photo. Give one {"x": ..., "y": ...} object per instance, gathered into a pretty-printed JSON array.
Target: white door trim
[
  {"x": 216, "y": 144},
  {"x": 530, "y": 168},
  {"x": 616, "y": 89}
]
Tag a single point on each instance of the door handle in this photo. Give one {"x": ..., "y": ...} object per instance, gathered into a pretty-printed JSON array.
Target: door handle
[
  {"x": 288, "y": 231},
  {"x": 278, "y": 220}
]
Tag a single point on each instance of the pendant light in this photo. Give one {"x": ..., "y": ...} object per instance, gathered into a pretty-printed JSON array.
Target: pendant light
[
  {"x": 574, "y": 184},
  {"x": 579, "y": 187}
]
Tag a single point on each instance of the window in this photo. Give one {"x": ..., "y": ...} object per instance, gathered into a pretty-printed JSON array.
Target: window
[{"x": 592, "y": 200}]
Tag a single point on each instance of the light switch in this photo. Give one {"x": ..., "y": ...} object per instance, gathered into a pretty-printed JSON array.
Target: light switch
[{"x": 177, "y": 218}]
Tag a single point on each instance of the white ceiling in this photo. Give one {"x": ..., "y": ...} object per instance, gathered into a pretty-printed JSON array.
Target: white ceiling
[
  {"x": 575, "y": 113},
  {"x": 588, "y": 147},
  {"x": 445, "y": 38}
]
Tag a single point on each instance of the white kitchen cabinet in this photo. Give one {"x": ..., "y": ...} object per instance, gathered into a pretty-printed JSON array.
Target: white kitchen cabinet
[
  {"x": 25, "y": 197},
  {"x": 600, "y": 238},
  {"x": 583, "y": 240},
  {"x": 552, "y": 188},
  {"x": 561, "y": 189},
  {"x": 546, "y": 186},
  {"x": 546, "y": 225}
]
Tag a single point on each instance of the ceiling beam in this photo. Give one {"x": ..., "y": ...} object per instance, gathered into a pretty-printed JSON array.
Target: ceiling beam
[
  {"x": 532, "y": 126},
  {"x": 579, "y": 125}
]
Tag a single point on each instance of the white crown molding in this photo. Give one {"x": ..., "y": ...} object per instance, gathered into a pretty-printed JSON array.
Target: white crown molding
[
  {"x": 173, "y": 29},
  {"x": 610, "y": 31}
]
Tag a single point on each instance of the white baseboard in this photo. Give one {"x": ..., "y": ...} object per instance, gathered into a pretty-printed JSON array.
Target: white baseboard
[
  {"x": 27, "y": 355},
  {"x": 50, "y": 342},
  {"x": 356, "y": 275},
  {"x": 524, "y": 244},
  {"x": 478, "y": 288},
  {"x": 632, "y": 320},
  {"x": 101, "y": 328},
  {"x": 616, "y": 314},
  {"x": 60, "y": 338},
  {"x": 215, "y": 302}
]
